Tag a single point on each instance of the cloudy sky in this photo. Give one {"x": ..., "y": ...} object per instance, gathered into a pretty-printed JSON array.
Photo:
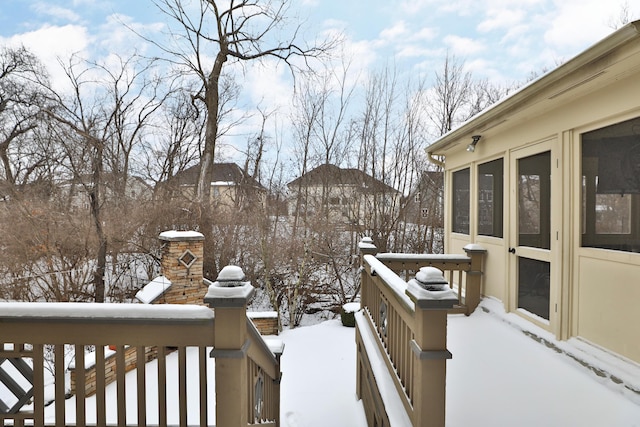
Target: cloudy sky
[
  {"x": 497, "y": 38},
  {"x": 502, "y": 40}
]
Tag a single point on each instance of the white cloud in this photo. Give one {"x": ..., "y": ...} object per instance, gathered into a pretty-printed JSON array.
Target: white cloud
[
  {"x": 53, "y": 44},
  {"x": 268, "y": 82},
  {"x": 56, "y": 12},
  {"x": 463, "y": 46},
  {"x": 397, "y": 30},
  {"x": 576, "y": 24},
  {"x": 501, "y": 19},
  {"x": 415, "y": 51},
  {"x": 425, "y": 34},
  {"x": 118, "y": 34}
]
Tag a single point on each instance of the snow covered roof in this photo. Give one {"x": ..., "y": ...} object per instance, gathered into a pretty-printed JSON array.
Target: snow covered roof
[{"x": 152, "y": 290}]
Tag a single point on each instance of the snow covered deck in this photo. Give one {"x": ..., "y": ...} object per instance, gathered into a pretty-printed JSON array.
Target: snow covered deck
[
  {"x": 503, "y": 369},
  {"x": 501, "y": 374}
]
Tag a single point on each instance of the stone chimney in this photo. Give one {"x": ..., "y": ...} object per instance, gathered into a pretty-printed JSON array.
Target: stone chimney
[{"x": 181, "y": 264}]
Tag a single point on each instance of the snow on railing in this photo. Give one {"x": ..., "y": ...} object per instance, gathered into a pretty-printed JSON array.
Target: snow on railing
[
  {"x": 189, "y": 344},
  {"x": 408, "y": 321}
]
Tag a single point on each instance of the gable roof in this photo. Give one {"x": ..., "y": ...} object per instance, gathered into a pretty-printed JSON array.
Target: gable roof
[
  {"x": 430, "y": 180},
  {"x": 590, "y": 70},
  {"x": 331, "y": 175},
  {"x": 221, "y": 174}
]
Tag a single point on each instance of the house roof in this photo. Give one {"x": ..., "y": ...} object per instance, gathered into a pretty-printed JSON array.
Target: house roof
[
  {"x": 332, "y": 175},
  {"x": 588, "y": 71},
  {"x": 110, "y": 179},
  {"x": 227, "y": 173},
  {"x": 430, "y": 180}
]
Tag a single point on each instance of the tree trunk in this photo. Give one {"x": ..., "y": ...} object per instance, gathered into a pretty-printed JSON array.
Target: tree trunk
[
  {"x": 96, "y": 213},
  {"x": 212, "y": 97}
]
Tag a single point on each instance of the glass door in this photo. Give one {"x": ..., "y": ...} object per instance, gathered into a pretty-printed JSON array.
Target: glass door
[{"x": 530, "y": 239}]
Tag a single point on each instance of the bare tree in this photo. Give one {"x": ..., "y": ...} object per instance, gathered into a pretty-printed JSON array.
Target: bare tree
[
  {"x": 100, "y": 120},
  {"x": 175, "y": 144},
  {"x": 239, "y": 31},
  {"x": 449, "y": 104},
  {"x": 623, "y": 18},
  {"x": 22, "y": 83}
]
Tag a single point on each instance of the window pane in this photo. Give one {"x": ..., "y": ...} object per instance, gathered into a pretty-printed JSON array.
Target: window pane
[
  {"x": 611, "y": 187},
  {"x": 534, "y": 286},
  {"x": 460, "y": 208},
  {"x": 490, "y": 198},
  {"x": 534, "y": 201},
  {"x": 613, "y": 214}
]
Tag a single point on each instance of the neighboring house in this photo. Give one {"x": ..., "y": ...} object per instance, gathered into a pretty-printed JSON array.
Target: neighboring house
[
  {"x": 345, "y": 196},
  {"x": 130, "y": 188},
  {"x": 423, "y": 213},
  {"x": 231, "y": 188},
  {"x": 425, "y": 204},
  {"x": 550, "y": 187}
]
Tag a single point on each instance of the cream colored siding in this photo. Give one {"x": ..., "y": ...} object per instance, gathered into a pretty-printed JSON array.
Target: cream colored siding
[
  {"x": 594, "y": 293},
  {"x": 607, "y": 298}
]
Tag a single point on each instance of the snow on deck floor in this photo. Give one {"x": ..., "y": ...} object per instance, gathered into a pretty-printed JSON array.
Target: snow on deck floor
[{"x": 498, "y": 377}]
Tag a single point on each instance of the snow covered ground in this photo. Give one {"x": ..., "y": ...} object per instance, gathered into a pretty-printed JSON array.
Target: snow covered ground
[{"x": 499, "y": 376}]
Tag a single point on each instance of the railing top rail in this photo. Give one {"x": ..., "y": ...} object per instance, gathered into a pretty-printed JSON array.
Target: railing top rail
[
  {"x": 394, "y": 283},
  {"x": 94, "y": 313},
  {"x": 106, "y": 324},
  {"x": 262, "y": 348},
  {"x": 448, "y": 258}
]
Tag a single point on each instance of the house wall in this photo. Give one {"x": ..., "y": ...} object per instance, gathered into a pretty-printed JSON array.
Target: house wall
[
  {"x": 346, "y": 203},
  {"x": 596, "y": 291}
]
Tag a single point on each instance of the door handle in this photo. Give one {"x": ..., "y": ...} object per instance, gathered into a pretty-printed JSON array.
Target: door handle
[{"x": 512, "y": 250}]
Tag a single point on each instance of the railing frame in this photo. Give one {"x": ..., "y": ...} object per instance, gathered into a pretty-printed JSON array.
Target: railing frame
[
  {"x": 412, "y": 337},
  {"x": 241, "y": 353},
  {"x": 238, "y": 347},
  {"x": 464, "y": 270}
]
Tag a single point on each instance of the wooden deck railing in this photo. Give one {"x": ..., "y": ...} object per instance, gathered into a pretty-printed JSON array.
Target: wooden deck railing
[
  {"x": 404, "y": 324},
  {"x": 175, "y": 389},
  {"x": 463, "y": 272}
]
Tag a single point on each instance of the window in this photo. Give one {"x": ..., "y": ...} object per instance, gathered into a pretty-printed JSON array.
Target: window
[
  {"x": 425, "y": 212},
  {"x": 460, "y": 207},
  {"x": 534, "y": 201},
  {"x": 490, "y": 197},
  {"x": 611, "y": 187},
  {"x": 534, "y": 286},
  {"x": 417, "y": 198}
]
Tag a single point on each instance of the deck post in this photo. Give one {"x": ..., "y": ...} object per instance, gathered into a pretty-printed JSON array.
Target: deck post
[
  {"x": 228, "y": 296},
  {"x": 433, "y": 298},
  {"x": 365, "y": 247},
  {"x": 474, "y": 276}
]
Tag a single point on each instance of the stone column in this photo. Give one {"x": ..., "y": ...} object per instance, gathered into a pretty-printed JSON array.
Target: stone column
[
  {"x": 432, "y": 297},
  {"x": 181, "y": 264},
  {"x": 229, "y": 296}
]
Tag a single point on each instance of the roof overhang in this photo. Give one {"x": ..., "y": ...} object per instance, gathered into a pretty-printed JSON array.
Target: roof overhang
[{"x": 589, "y": 70}]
